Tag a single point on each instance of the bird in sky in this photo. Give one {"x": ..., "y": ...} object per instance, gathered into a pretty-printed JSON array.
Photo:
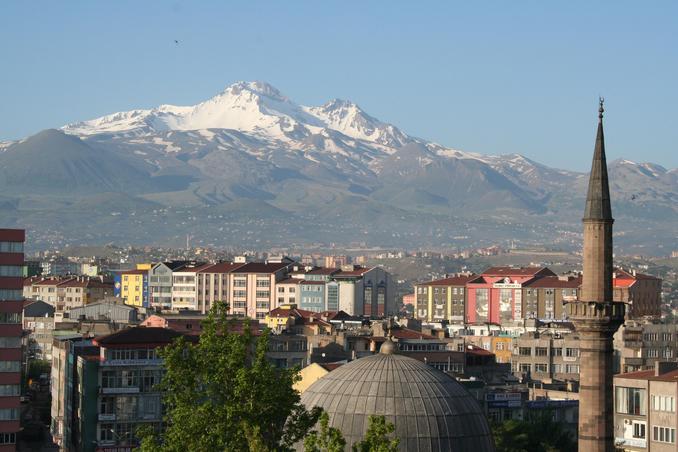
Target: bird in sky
[{"x": 176, "y": 42}]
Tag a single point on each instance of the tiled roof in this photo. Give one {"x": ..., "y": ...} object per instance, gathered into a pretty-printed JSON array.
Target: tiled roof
[
  {"x": 193, "y": 268},
  {"x": 38, "y": 309},
  {"x": 450, "y": 281},
  {"x": 290, "y": 281},
  {"x": 260, "y": 267},
  {"x": 322, "y": 271},
  {"x": 330, "y": 366},
  {"x": 349, "y": 273},
  {"x": 221, "y": 267},
  {"x": 553, "y": 282},
  {"x": 406, "y": 333},
  {"x": 522, "y": 271},
  {"x": 670, "y": 376},
  {"x": 138, "y": 335}
]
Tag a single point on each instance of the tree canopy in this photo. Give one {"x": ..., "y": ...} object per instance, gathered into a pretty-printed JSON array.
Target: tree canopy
[
  {"x": 221, "y": 393},
  {"x": 540, "y": 432}
]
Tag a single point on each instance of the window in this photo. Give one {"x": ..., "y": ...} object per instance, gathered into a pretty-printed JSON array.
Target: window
[
  {"x": 9, "y": 390},
  {"x": 664, "y": 434},
  {"x": 11, "y": 247},
  {"x": 524, "y": 367},
  {"x": 556, "y": 368},
  {"x": 292, "y": 289},
  {"x": 540, "y": 351},
  {"x": 639, "y": 429},
  {"x": 11, "y": 294},
  {"x": 653, "y": 353},
  {"x": 239, "y": 293},
  {"x": 11, "y": 270},
  {"x": 10, "y": 342},
  {"x": 263, "y": 282},
  {"x": 10, "y": 366},
  {"x": 281, "y": 289},
  {"x": 525, "y": 351},
  {"x": 107, "y": 405},
  {"x": 663, "y": 403},
  {"x": 557, "y": 352},
  {"x": 540, "y": 367},
  {"x": 263, "y": 294},
  {"x": 10, "y": 317},
  {"x": 571, "y": 368},
  {"x": 630, "y": 400},
  {"x": 9, "y": 414},
  {"x": 572, "y": 352},
  {"x": 239, "y": 282},
  {"x": 7, "y": 438}
]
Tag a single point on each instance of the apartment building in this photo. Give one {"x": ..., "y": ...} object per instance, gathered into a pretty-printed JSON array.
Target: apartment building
[
  {"x": 545, "y": 298},
  {"x": 212, "y": 284},
  {"x": 65, "y": 352},
  {"x": 287, "y": 291},
  {"x": 645, "y": 409},
  {"x": 641, "y": 292},
  {"x": 363, "y": 291},
  {"x": 496, "y": 294},
  {"x": 442, "y": 299},
  {"x": 546, "y": 357},
  {"x": 124, "y": 377},
  {"x": 38, "y": 326},
  {"x": 67, "y": 292},
  {"x": 160, "y": 283},
  {"x": 132, "y": 287},
  {"x": 184, "y": 286},
  {"x": 11, "y": 306},
  {"x": 253, "y": 287}
]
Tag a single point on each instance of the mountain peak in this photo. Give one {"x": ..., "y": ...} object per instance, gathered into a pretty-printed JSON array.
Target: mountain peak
[{"x": 257, "y": 87}]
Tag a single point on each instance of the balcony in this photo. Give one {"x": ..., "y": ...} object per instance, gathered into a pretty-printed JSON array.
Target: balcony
[{"x": 121, "y": 390}]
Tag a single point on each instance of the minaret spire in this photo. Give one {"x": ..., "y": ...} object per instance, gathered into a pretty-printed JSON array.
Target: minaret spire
[
  {"x": 598, "y": 196},
  {"x": 595, "y": 315}
]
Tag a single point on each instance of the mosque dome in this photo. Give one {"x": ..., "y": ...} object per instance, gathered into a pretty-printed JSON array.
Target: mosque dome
[{"x": 430, "y": 410}]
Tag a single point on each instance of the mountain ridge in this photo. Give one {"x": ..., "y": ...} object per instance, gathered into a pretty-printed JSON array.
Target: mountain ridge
[{"x": 250, "y": 142}]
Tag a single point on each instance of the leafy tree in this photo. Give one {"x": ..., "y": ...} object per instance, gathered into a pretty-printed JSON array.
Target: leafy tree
[
  {"x": 378, "y": 437},
  {"x": 539, "y": 432},
  {"x": 328, "y": 439},
  {"x": 222, "y": 394}
]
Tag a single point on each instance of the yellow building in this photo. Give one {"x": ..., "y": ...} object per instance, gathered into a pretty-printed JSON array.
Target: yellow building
[
  {"x": 282, "y": 317},
  {"x": 132, "y": 287}
]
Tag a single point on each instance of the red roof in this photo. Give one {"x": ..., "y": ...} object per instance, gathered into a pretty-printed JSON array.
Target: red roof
[
  {"x": 553, "y": 282},
  {"x": 330, "y": 366},
  {"x": 355, "y": 272},
  {"x": 450, "y": 281},
  {"x": 220, "y": 267},
  {"x": 670, "y": 376},
  {"x": 260, "y": 267},
  {"x": 406, "y": 333},
  {"x": 522, "y": 271},
  {"x": 290, "y": 281},
  {"x": 322, "y": 271}
]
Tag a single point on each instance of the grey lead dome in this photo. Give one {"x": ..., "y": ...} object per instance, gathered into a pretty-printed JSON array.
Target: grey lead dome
[{"x": 430, "y": 410}]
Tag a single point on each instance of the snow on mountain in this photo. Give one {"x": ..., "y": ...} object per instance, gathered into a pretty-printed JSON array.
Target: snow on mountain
[{"x": 349, "y": 119}]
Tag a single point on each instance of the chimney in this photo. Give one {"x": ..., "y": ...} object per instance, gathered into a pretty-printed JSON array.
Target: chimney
[
  {"x": 662, "y": 367},
  {"x": 634, "y": 273}
]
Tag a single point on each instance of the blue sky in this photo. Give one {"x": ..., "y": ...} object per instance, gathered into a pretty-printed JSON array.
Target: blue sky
[{"x": 489, "y": 77}]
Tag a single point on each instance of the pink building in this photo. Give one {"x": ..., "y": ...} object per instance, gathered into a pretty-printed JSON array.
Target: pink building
[{"x": 495, "y": 296}]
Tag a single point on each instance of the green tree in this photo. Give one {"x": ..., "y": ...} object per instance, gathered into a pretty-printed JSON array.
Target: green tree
[
  {"x": 539, "y": 432},
  {"x": 378, "y": 437},
  {"x": 328, "y": 439},
  {"x": 221, "y": 393}
]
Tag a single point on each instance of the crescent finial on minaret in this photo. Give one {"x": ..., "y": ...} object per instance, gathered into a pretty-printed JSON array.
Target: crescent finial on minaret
[{"x": 601, "y": 109}]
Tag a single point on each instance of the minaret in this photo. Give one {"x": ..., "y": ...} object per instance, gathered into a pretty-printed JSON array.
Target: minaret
[{"x": 595, "y": 316}]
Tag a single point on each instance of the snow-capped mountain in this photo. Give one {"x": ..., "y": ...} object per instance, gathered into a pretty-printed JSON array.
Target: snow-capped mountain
[
  {"x": 250, "y": 148},
  {"x": 251, "y": 107}
]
